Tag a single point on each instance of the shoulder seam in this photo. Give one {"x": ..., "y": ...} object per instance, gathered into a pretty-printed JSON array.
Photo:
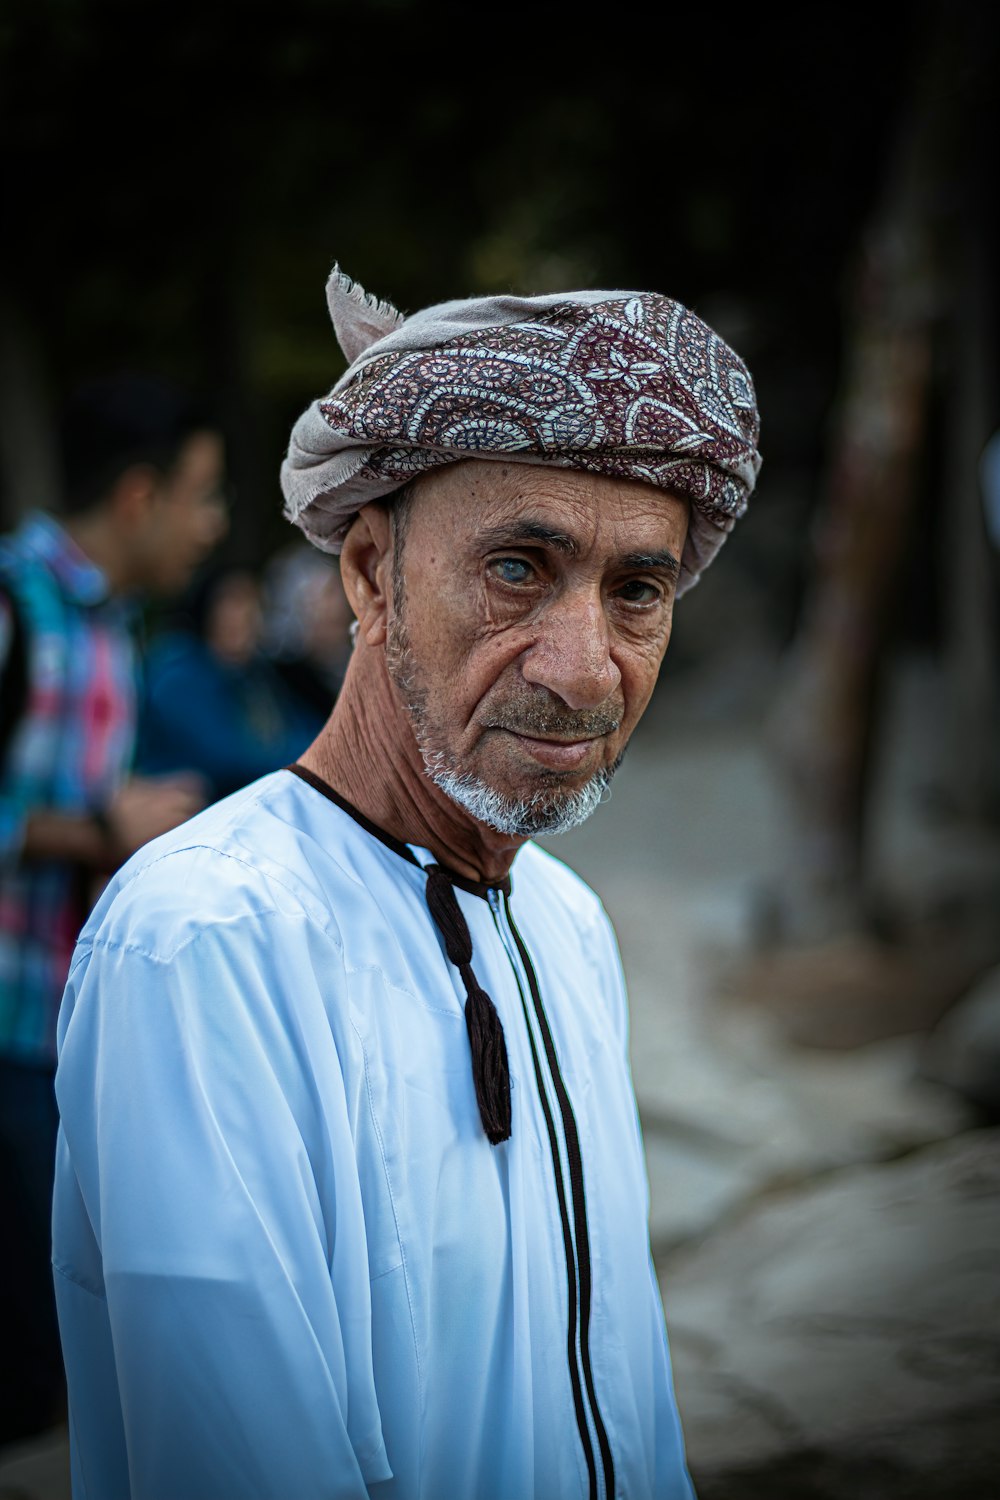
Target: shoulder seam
[{"x": 269, "y": 874}]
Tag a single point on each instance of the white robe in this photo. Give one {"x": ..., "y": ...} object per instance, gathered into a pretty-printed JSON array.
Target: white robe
[{"x": 288, "y": 1262}]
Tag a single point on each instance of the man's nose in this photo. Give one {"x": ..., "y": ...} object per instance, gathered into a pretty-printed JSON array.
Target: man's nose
[{"x": 571, "y": 655}]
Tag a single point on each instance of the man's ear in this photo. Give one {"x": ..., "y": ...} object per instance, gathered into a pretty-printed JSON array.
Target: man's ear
[{"x": 366, "y": 571}]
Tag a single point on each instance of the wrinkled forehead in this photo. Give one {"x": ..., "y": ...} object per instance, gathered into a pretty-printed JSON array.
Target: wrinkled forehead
[{"x": 482, "y": 504}]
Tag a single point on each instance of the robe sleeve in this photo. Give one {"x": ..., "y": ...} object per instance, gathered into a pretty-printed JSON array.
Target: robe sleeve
[{"x": 208, "y": 1195}]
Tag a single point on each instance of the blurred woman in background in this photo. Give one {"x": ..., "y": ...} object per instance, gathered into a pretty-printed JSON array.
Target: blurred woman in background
[{"x": 213, "y": 702}]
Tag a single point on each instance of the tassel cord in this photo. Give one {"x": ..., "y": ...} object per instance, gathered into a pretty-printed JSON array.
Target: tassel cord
[{"x": 490, "y": 1066}]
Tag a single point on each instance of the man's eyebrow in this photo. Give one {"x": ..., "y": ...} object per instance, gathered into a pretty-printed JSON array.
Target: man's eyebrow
[
  {"x": 517, "y": 533},
  {"x": 529, "y": 531},
  {"x": 658, "y": 562}
]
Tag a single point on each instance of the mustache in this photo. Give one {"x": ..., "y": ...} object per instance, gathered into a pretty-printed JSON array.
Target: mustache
[{"x": 543, "y": 720}]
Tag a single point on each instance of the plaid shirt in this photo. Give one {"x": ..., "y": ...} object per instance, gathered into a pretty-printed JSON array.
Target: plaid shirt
[{"x": 69, "y": 752}]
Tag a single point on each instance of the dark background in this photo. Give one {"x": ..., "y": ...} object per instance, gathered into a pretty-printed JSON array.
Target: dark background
[
  {"x": 819, "y": 184},
  {"x": 178, "y": 183}
]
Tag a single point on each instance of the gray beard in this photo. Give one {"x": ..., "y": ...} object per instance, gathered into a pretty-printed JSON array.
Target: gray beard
[
  {"x": 545, "y": 811},
  {"x": 522, "y": 817}
]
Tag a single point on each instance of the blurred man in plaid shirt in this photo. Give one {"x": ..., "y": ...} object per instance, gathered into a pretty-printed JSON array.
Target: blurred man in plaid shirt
[{"x": 142, "y": 508}]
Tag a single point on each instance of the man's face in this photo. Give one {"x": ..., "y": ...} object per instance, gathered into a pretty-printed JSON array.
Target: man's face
[
  {"x": 531, "y": 610},
  {"x": 186, "y": 517}
]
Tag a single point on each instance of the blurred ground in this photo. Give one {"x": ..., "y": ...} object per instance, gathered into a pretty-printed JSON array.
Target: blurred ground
[{"x": 825, "y": 1221}]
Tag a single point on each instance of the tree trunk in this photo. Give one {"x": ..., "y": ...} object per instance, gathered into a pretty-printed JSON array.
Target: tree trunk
[
  {"x": 970, "y": 625},
  {"x": 825, "y": 721}
]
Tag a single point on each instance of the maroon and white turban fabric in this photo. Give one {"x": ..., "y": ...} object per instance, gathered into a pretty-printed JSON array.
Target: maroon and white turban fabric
[{"x": 627, "y": 384}]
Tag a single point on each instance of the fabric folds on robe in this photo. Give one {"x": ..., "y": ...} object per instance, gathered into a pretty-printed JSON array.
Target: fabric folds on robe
[{"x": 288, "y": 1261}]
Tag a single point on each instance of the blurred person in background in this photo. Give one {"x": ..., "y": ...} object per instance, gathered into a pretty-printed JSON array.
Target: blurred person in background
[
  {"x": 142, "y": 467},
  {"x": 307, "y": 623},
  {"x": 213, "y": 704},
  {"x": 382, "y": 1207}
]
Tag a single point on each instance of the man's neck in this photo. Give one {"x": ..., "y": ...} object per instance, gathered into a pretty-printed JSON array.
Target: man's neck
[
  {"x": 94, "y": 535},
  {"x": 367, "y": 753}
]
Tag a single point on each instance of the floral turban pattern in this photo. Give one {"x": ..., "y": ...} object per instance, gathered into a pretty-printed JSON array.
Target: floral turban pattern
[{"x": 630, "y": 385}]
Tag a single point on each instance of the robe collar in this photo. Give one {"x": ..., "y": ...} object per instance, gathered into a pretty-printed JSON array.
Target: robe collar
[{"x": 479, "y": 888}]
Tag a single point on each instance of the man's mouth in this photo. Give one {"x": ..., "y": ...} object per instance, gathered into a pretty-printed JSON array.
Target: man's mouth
[
  {"x": 560, "y": 741},
  {"x": 556, "y": 754}
]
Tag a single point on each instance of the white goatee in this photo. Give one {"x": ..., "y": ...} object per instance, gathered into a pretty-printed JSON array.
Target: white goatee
[{"x": 519, "y": 817}]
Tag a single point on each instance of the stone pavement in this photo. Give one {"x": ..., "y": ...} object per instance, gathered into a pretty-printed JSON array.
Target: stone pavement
[
  {"x": 840, "y": 1341},
  {"x": 37, "y": 1470},
  {"x": 825, "y": 1223}
]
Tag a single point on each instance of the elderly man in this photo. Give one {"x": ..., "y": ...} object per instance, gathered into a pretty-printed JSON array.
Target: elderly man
[{"x": 351, "y": 1196}]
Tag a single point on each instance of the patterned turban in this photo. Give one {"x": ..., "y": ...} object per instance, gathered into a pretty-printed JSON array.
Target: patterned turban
[{"x": 627, "y": 384}]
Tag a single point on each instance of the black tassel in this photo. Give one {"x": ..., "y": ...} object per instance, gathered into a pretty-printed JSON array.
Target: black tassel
[
  {"x": 448, "y": 915},
  {"x": 490, "y": 1069}
]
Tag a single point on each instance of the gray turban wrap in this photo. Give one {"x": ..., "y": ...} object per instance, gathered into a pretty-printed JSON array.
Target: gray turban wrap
[{"x": 627, "y": 384}]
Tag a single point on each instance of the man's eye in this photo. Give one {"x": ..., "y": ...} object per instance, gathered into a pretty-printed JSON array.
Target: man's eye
[
  {"x": 637, "y": 592},
  {"x": 511, "y": 569}
]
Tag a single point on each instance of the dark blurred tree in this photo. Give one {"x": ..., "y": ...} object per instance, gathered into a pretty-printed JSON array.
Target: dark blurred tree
[{"x": 920, "y": 281}]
